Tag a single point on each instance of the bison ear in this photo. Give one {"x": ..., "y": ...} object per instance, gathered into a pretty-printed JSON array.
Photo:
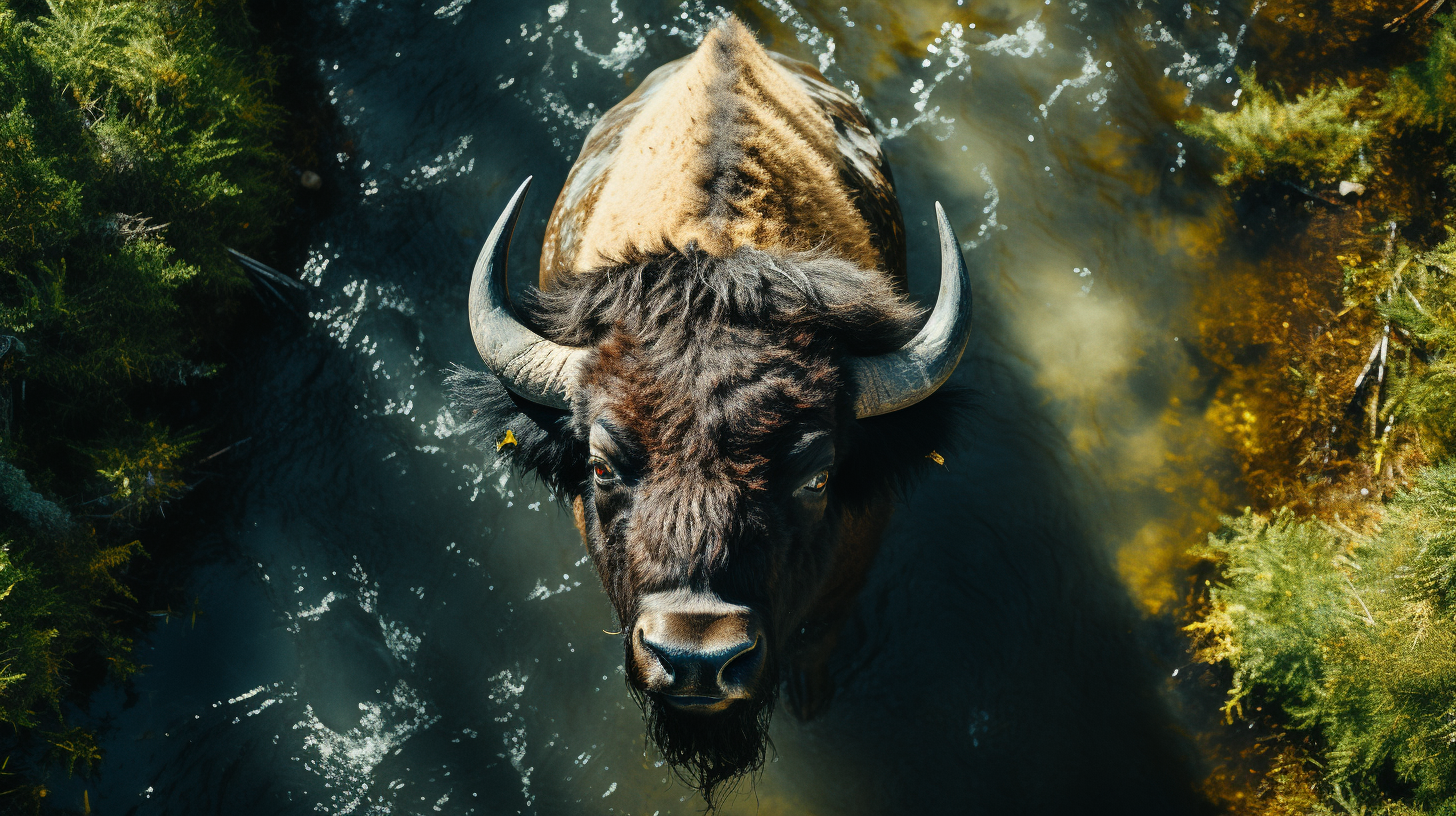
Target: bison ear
[
  {"x": 534, "y": 438},
  {"x": 891, "y": 451}
]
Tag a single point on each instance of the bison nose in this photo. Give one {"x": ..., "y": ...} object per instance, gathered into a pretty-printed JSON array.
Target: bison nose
[{"x": 697, "y": 651}]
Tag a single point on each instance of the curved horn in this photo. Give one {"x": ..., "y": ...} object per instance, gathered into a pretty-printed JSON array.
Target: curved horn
[
  {"x": 527, "y": 363},
  {"x": 899, "y": 379}
]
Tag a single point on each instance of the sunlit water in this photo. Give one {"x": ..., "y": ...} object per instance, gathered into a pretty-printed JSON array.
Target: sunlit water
[{"x": 392, "y": 623}]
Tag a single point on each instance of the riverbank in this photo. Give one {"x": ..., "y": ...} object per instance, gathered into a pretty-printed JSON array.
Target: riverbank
[
  {"x": 141, "y": 141},
  {"x": 1329, "y": 602}
]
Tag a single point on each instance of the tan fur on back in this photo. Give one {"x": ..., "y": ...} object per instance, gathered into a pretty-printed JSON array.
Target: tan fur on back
[{"x": 723, "y": 148}]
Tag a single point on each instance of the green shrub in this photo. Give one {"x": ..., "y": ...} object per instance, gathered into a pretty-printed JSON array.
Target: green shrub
[
  {"x": 136, "y": 142},
  {"x": 53, "y": 593},
  {"x": 1285, "y": 595},
  {"x": 154, "y": 151},
  {"x": 1423, "y": 94},
  {"x": 1315, "y": 137},
  {"x": 1354, "y": 638},
  {"x": 143, "y": 469}
]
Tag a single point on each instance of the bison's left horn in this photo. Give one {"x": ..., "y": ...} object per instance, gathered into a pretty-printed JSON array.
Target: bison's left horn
[
  {"x": 528, "y": 364},
  {"x": 889, "y": 382}
]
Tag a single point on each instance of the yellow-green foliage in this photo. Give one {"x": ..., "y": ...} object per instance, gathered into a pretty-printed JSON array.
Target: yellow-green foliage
[
  {"x": 1321, "y": 136},
  {"x": 53, "y": 591},
  {"x": 1288, "y": 594},
  {"x": 143, "y": 469},
  {"x": 138, "y": 145},
  {"x": 1423, "y": 94},
  {"x": 1313, "y": 138},
  {"x": 1354, "y": 638}
]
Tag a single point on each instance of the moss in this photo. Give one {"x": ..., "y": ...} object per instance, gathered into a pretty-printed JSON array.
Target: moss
[{"x": 137, "y": 141}]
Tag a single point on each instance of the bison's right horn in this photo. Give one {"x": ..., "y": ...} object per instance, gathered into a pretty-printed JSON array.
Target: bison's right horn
[
  {"x": 527, "y": 363},
  {"x": 889, "y": 382}
]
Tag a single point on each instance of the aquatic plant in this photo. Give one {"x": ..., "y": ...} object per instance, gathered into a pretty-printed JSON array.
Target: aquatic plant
[
  {"x": 1334, "y": 596},
  {"x": 1350, "y": 635},
  {"x": 1313, "y": 136},
  {"x": 1328, "y": 320}
]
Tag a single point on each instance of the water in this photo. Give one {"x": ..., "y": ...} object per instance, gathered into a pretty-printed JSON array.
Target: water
[{"x": 393, "y": 624}]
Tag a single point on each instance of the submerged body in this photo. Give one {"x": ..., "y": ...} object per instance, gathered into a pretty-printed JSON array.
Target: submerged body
[{"x": 724, "y": 316}]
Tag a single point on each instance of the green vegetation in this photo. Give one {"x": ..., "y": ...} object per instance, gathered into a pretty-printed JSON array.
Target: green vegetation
[
  {"x": 136, "y": 141},
  {"x": 1353, "y": 636},
  {"x": 1268, "y": 136},
  {"x": 1333, "y": 599}
]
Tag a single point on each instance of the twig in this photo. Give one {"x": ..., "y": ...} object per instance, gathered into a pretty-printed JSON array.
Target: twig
[
  {"x": 1375, "y": 352},
  {"x": 1384, "y": 347},
  {"x": 1385, "y": 436},
  {"x": 225, "y": 450},
  {"x": 1370, "y": 619},
  {"x": 1312, "y": 194},
  {"x": 1399, "y": 21},
  {"x": 270, "y": 288},
  {"x": 1346, "y": 528},
  {"x": 286, "y": 291},
  {"x": 264, "y": 270}
]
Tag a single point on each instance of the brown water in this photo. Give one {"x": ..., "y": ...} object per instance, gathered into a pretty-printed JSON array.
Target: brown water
[{"x": 394, "y": 624}]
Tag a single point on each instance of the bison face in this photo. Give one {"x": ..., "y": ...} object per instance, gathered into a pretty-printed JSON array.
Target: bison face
[
  {"x": 711, "y": 510},
  {"x": 723, "y": 428},
  {"x": 708, "y": 507}
]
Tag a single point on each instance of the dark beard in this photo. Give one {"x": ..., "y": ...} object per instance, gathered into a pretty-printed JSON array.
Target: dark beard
[{"x": 709, "y": 751}]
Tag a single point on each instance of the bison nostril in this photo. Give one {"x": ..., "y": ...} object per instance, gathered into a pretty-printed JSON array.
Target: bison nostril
[
  {"x": 662, "y": 658},
  {"x": 739, "y": 668}
]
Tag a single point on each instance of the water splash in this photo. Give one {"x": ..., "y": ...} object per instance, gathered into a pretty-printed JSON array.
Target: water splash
[
  {"x": 506, "y": 688},
  {"x": 1194, "y": 68},
  {"x": 989, "y": 225},
  {"x": 346, "y": 760},
  {"x": 1029, "y": 40}
]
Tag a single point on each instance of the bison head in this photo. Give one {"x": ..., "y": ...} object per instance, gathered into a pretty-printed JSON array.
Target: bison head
[{"x": 716, "y": 423}]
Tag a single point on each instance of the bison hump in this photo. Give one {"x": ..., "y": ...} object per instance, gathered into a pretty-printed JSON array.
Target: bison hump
[{"x": 731, "y": 146}]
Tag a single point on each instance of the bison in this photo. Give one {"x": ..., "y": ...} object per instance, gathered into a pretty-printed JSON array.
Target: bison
[{"x": 722, "y": 375}]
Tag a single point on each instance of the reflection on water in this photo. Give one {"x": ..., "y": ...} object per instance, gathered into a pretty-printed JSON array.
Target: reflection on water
[{"x": 399, "y": 625}]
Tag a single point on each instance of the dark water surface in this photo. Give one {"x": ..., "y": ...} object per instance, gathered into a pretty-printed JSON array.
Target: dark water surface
[{"x": 395, "y": 624}]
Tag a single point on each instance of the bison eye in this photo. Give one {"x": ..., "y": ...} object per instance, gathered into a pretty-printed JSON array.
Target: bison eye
[
  {"x": 602, "y": 471},
  {"x": 818, "y": 483}
]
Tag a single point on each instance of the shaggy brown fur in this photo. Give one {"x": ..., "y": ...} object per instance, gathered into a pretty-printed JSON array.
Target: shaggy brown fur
[{"x": 711, "y": 372}]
